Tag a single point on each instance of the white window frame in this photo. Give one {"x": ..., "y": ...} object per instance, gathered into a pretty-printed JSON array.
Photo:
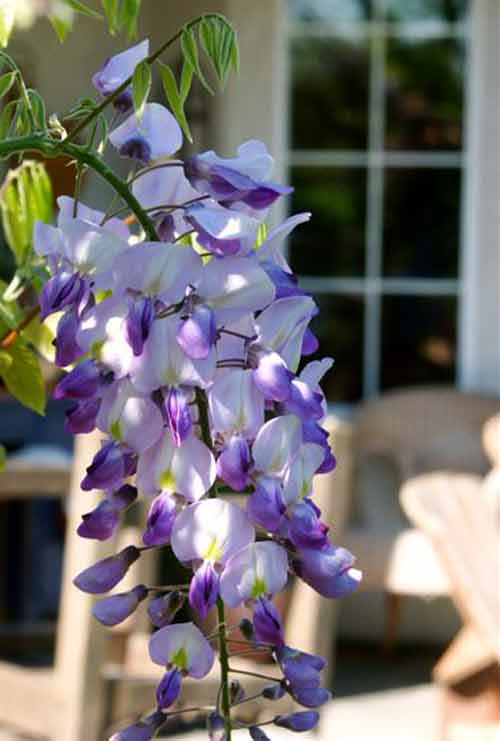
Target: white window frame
[
  {"x": 479, "y": 345},
  {"x": 373, "y": 286}
]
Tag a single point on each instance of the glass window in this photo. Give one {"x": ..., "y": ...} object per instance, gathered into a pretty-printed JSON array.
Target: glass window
[
  {"x": 376, "y": 140},
  {"x": 418, "y": 340},
  {"x": 424, "y": 86},
  {"x": 421, "y": 223},
  {"x": 331, "y": 10},
  {"x": 329, "y": 96},
  {"x": 333, "y": 242},
  {"x": 338, "y": 326},
  {"x": 425, "y": 10}
]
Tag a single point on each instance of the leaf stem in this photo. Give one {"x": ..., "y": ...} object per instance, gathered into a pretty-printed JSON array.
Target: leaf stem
[{"x": 121, "y": 88}]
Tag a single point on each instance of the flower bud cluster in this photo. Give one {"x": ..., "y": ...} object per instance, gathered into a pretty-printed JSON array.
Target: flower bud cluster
[{"x": 186, "y": 354}]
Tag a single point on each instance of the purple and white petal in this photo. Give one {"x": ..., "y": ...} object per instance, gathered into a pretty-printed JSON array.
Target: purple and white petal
[
  {"x": 276, "y": 444},
  {"x": 212, "y": 530},
  {"x": 188, "y": 470},
  {"x": 260, "y": 569},
  {"x": 156, "y": 134},
  {"x": 182, "y": 645}
]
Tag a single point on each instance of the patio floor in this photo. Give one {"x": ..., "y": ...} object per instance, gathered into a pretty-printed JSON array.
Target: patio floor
[{"x": 410, "y": 713}]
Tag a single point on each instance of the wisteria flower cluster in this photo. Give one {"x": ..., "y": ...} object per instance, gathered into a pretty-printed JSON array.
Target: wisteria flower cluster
[{"x": 187, "y": 354}]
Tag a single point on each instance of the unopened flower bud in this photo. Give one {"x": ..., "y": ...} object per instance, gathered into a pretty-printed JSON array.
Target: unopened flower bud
[
  {"x": 298, "y": 722},
  {"x": 168, "y": 690},
  {"x": 257, "y": 734},
  {"x": 215, "y": 727},
  {"x": 246, "y": 628},
  {"x": 236, "y": 691},
  {"x": 105, "y": 574},
  {"x": 274, "y": 691},
  {"x": 143, "y": 730},
  {"x": 116, "y": 608},
  {"x": 162, "y": 610}
]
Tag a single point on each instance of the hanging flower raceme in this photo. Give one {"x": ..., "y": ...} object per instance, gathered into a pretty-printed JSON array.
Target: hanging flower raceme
[{"x": 186, "y": 354}]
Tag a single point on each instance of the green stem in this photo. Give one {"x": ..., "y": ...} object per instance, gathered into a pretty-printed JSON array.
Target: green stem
[
  {"x": 201, "y": 400},
  {"x": 121, "y": 88},
  {"x": 50, "y": 148}
]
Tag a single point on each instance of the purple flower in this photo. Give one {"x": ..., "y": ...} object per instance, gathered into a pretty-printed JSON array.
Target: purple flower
[
  {"x": 234, "y": 462},
  {"x": 83, "y": 382},
  {"x": 222, "y": 231},
  {"x": 299, "y": 668},
  {"x": 82, "y": 416},
  {"x": 61, "y": 291},
  {"x": 330, "y": 571},
  {"x": 116, "y": 608},
  {"x": 138, "y": 323},
  {"x": 67, "y": 348},
  {"x": 143, "y": 730},
  {"x": 156, "y": 134},
  {"x": 204, "y": 589},
  {"x": 212, "y": 530},
  {"x": 168, "y": 690},
  {"x": 161, "y": 518},
  {"x": 270, "y": 374},
  {"x": 178, "y": 415},
  {"x": 305, "y": 528},
  {"x": 311, "y": 697},
  {"x": 260, "y": 569},
  {"x": 216, "y": 727},
  {"x": 116, "y": 70},
  {"x": 101, "y": 523},
  {"x": 240, "y": 179},
  {"x": 162, "y": 610},
  {"x": 106, "y": 574},
  {"x": 265, "y": 506},
  {"x": 298, "y": 722},
  {"x": 111, "y": 465},
  {"x": 182, "y": 646},
  {"x": 257, "y": 734},
  {"x": 310, "y": 343},
  {"x": 267, "y": 623},
  {"x": 197, "y": 332}
]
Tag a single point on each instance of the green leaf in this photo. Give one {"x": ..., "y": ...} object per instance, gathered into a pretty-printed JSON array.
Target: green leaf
[
  {"x": 129, "y": 15},
  {"x": 62, "y": 26},
  {"x": 38, "y": 108},
  {"x": 141, "y": 86},
  {"x": 41, "y": 335},
  {"x": 6, "y": 118},
  {"x": 220, "y": 45},
  {"x": 6, "y": 82},
  {"x": 174, "y": 97},
  {"x": 3, "y": 457},
  {"x": 83, "y": 9},
  {"x": 190, "y": 51},
  {"x": 22, "y": 375},
  {"x": 25, "y": 196},
  {"x": 7, "y": 14},
  {"x": 186, "y": 80},
  {"x": 111, "y": 10}
]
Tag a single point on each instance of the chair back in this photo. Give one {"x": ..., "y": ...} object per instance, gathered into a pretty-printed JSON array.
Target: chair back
[
  {"x": 426, "y": 429},
  {"x": 454, "y": 512}
]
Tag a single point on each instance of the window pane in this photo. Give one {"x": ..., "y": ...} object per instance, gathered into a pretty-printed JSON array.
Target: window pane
[
  {"x": 339, "y": 327},
  {"x": 421, "y": 223},
  {"x": 329, "y": 94},
  {"x": 418, "y": 340},
  {"x": 424, "y": 10},
  {"x": 424, "y": 87},
  {"x": 333, "y": 242},
  {"x": 330, "y": 10}
]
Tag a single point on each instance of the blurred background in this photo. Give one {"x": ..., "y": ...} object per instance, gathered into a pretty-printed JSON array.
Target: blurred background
[{"x": 385, "y": 117}]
